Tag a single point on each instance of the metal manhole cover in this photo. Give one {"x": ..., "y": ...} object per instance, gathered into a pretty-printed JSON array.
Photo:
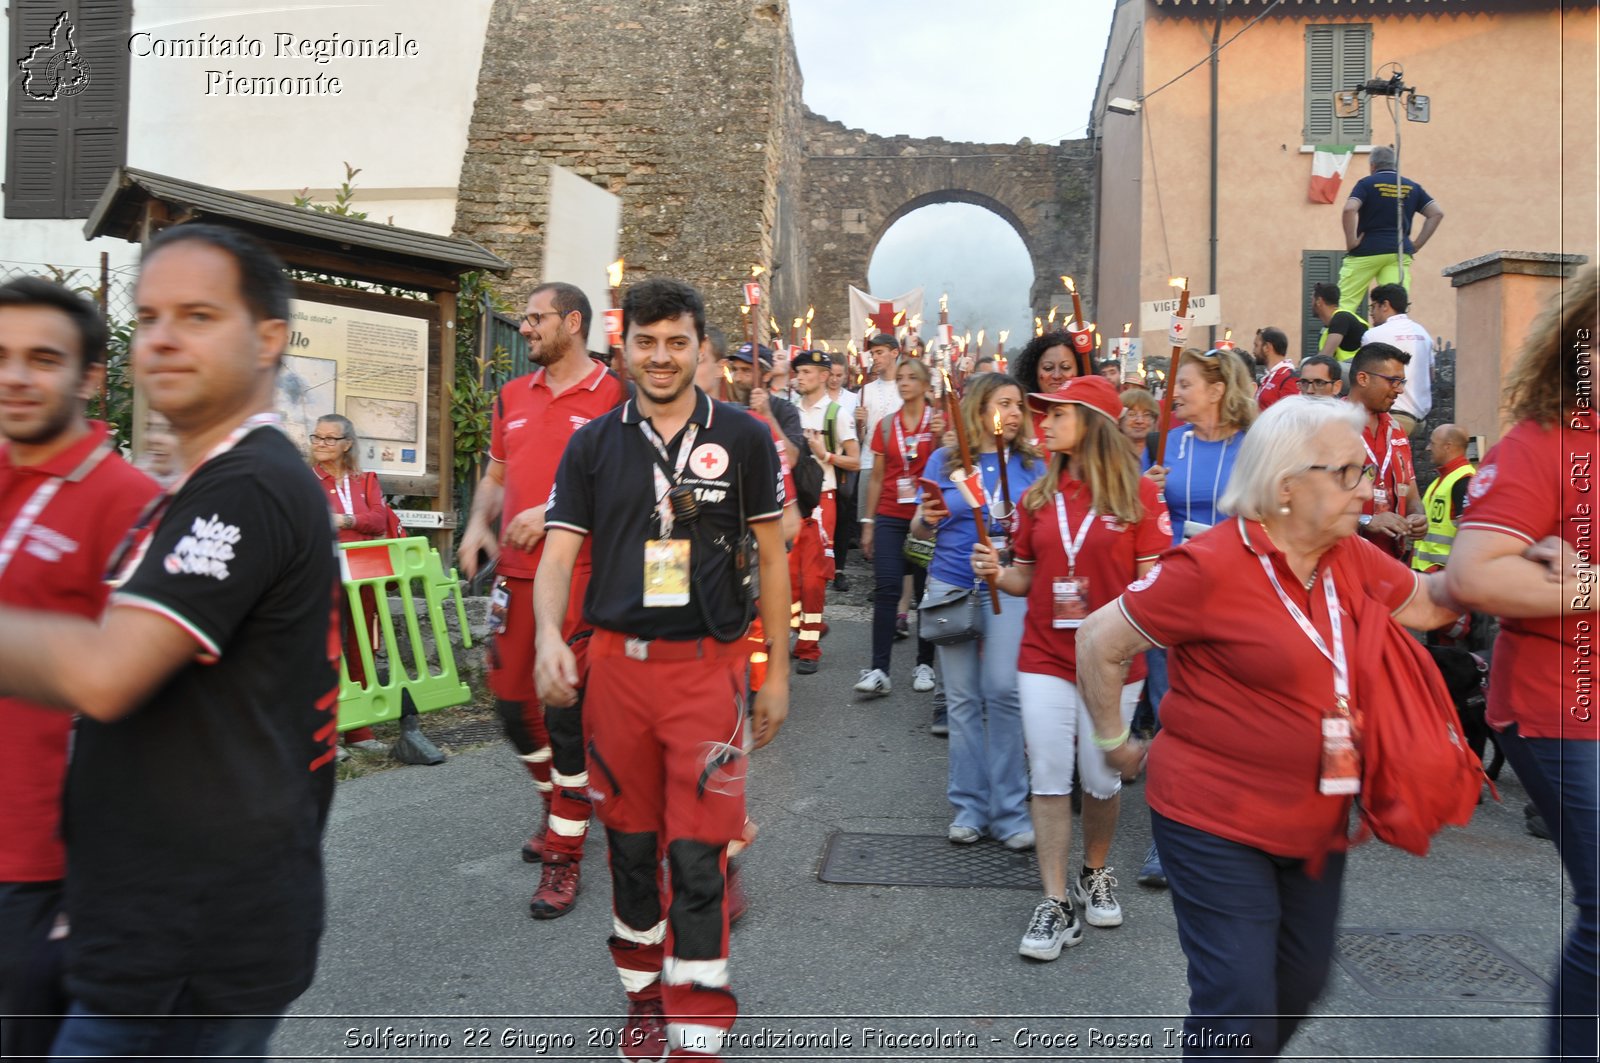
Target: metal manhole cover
[
  {"x": 924, "y": 860},
  {"x": 1436, "y": 965},
  {"x": 470, "y": 733}
]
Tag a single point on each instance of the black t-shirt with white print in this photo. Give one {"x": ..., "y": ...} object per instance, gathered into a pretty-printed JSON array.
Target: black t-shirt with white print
[{"x": 194, "y": 824}]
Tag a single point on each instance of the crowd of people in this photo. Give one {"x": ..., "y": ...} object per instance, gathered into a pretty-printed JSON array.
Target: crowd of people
[{"x": 1244, "y": 597}]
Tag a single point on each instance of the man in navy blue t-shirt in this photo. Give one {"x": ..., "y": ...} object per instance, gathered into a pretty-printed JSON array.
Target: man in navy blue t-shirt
[{"x": 1373, "y": 228}]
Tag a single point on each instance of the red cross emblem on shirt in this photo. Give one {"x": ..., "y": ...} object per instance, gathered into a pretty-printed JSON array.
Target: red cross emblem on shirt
[{"x": 708, "y": 459}]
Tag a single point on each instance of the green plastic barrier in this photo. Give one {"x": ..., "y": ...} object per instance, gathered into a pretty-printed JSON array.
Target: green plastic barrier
[{"x": 400, "y": 570}]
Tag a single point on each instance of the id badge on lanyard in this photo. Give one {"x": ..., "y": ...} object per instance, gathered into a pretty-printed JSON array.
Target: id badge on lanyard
[
  {"x": 1069, "y": 594},
  {"x": 667, "y": 561},
  {"x": 1340, "y": 772},
  {"x": 1381, "y": 503},
  {"x": 905, "y": 487}
]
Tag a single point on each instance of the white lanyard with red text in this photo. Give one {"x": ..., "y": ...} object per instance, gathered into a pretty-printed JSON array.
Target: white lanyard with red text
[
  {"x": 41, "y": 496},
  {"x": 1388, "y": 453},
  {"x": 663, "y": 488},
  {"x": 900, "y": 436},
  {"x": 134, "y": 546},
  {"x": 1072, "y": 543},
  {"x": 341, "y": 487},
  {"x": 1341, "y": 667}
]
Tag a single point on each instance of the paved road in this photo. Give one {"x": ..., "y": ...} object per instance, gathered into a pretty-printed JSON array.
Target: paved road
[{"x": 430, "y": 952}]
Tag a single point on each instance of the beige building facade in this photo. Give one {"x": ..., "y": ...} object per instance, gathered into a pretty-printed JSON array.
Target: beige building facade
[{"x": 1509, "y": 153}]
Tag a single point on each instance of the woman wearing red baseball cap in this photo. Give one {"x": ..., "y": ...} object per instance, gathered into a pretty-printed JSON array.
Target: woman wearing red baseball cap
[{"x": 1089, "y": 527}]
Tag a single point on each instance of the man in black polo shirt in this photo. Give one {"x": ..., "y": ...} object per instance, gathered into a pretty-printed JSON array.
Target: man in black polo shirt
[
  {"x": 202, "y": 763},
  {"x": 664, "y": 711}
]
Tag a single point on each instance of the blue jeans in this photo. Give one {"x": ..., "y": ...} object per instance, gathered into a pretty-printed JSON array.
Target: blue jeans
[
  {"x": 1561, "y": 778},
  {"x": 89, "y": 1034},
  {"x": 889, "y": 567},
  {"x": 988, "y": 784},
  {"x": 1258, "y": 933},
  {"x": 30, "y": 967}
]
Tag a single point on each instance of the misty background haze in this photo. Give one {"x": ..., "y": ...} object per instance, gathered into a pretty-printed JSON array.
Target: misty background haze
[{"x": 986, "y": 73}]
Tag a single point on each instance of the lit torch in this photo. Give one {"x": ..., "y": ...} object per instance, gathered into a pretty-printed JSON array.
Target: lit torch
[{"x": 1178, "y": 334}]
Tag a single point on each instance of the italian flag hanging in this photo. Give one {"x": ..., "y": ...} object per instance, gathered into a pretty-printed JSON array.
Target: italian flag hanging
[{"x": 1328, "y": 165}]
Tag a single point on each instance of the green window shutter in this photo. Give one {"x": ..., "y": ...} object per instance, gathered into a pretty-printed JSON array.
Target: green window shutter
[
  {"x": 1355, "y": 68},
  {"x": 1316, "y": 267},
  {"x": 1337, "y": 57},
  {"x": 61, "y": 152}
]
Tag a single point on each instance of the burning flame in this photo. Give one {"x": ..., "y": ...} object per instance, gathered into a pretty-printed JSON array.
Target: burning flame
[
  {"x": 916, "y": 322},
  {"x": 796, "y": 322},
  {"x": 727, "y": 374},
  {"x": 1038, "y": 326},
  {"x": 776, "y": 331},
  {"x": 811, "y": 312},
  {"x": 756, "y": 271},
  {"x": 999, "y": 429},
  {"x": 851, "y": 347},
  {"x": 614, "y": 274},
  {"x": 1052, "y": 318},
  {"x": 1003, "y": 334},
  {"x": 825, "y": 346},
  {"x": 744, "y": 308},
  {"x": 980, "y": 339},
  {"x": 1068, "y": 282},
  {"x": 1126, "y": 325},
  {"x": 1098, "y": 340},
  {"x": 944, "y": 303},
  {"x": 899, "y": 318},
  {"x": 1227, "y": 334},
  {"x": 1178, "y": 282}
]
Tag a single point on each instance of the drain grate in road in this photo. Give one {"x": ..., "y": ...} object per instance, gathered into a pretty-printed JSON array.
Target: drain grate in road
[
  {"x": 1436, "y": 965},
  {"x": 471, "y": 733},
  {"x": 924, "y": 860}
]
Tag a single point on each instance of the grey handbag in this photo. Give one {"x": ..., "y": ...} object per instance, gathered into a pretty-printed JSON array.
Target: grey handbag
[{"x": 949, "y": 617}]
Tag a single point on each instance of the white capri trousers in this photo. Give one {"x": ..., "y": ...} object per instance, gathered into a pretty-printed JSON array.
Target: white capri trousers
[{"x": 1053, "y": 717}]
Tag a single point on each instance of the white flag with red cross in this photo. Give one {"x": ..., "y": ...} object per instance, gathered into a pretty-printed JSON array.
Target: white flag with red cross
[{"x": 870, "y": 314}]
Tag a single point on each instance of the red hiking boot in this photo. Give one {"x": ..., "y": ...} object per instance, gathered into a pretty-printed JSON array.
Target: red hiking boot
[
  {"x": 558, "y": 889},
  {"x": 533, "y": 848},
  {"x": 644, "y": 1037}
]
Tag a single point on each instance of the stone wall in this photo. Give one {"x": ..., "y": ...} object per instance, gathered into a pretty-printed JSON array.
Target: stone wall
[
  {"x": 858, "y": 184},
  {"x": 691, "y": 112},
  {"x": 674, "y": 107}
]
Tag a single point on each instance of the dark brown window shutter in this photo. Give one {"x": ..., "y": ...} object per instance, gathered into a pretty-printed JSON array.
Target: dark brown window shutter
[
  {"x": 99, "y": 123},
  {"x": 61, "y": 153}
]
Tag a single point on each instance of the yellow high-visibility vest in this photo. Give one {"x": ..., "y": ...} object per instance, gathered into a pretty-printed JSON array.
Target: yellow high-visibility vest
[{"x": 1434, "y": 549}]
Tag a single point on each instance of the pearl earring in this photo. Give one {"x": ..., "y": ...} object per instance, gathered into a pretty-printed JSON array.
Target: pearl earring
[{"x": 1284, "y": 509}]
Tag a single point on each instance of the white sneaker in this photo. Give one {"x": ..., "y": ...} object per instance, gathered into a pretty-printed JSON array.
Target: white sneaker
[
  {"x": 1053, "y": 925},
  {"x": 922, "y": 679},
  {"x": 1094, "y": 896},
  {"x": 873, "y": 681},
  {"x": 1019, "y": 842}
]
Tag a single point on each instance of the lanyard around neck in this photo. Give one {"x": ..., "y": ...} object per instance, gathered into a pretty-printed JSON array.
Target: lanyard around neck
[
  {"x": 1388, "y": 452},
  {"x": 1072, "y": 543},
  {"x": 1335, "y": 656},
  {"x": 126, "y": 558},
  {"x": 900, "y": 435},
  {"x": 40, "y": 498},
  {"x": 341, "y": 487},
  {"x": 661, "y": 469}
]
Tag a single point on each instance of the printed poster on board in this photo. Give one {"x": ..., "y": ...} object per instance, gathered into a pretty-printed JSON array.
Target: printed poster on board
[{"x": 369, "y": 366}]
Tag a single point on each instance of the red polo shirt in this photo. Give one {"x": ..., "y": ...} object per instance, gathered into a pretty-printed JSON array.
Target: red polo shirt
[
  {"x": 1240, "y": 747},
  {"x": 1279, "y": 383},
  {"x": 1390, "y": 450},
  {"x": 1110, "y": 559},
  {"x": 58, "y": 566},
  {"x": 1534, "y": 483},
  {"x": 529, "y": 434},
  {"x": 896, "y": 463}
]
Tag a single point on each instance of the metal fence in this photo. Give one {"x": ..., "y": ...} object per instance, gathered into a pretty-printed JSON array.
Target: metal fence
[{"x": 85, "y": 279}]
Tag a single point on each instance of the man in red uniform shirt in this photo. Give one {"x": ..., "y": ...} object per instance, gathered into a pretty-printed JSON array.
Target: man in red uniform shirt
[
  {"x": 534, "y": 417},
  {"x": 1393, "y": 517},
  {"x": 66, "y": 500},
  {"x": 1272, "y": 350}
]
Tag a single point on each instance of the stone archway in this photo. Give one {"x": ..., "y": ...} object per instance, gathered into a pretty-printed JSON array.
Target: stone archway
[{"x": 859, "y": 184}]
